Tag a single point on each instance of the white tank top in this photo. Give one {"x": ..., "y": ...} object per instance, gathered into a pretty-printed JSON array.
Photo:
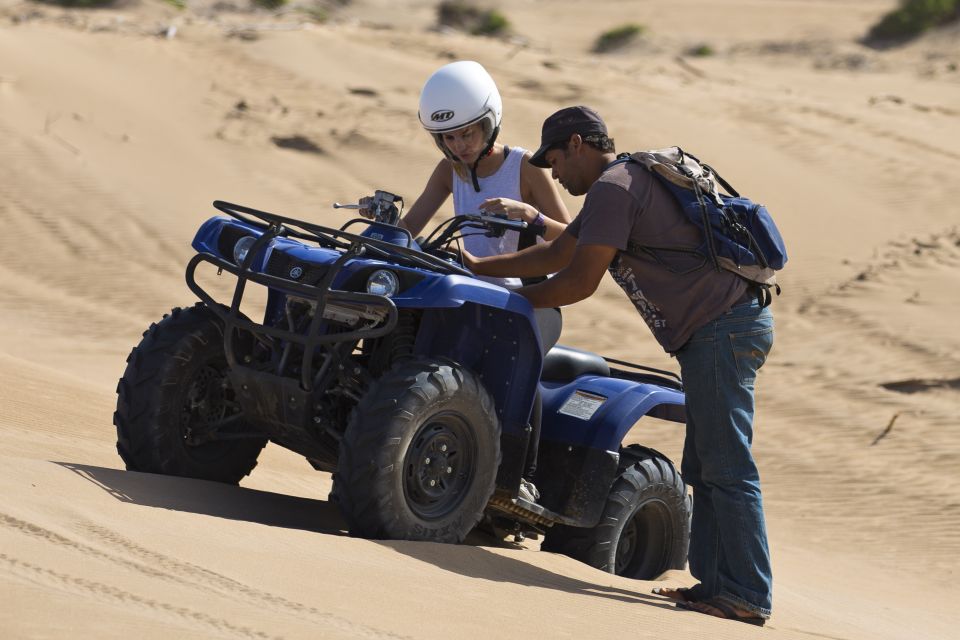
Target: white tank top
[{"x": 505, "y": 183}]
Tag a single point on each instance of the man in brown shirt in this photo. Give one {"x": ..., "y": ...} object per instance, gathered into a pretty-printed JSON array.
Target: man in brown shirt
[{"x": 702, "y": 315}]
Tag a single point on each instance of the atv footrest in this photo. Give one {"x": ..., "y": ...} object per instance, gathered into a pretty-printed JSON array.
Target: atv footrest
[{"x": 529, "y": 511}]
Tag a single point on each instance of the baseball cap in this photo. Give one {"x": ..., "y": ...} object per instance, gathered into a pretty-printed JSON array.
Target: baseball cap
[{"x": 563, "y": 124}]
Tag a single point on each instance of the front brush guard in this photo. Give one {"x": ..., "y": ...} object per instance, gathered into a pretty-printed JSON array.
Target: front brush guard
[{"x": 321, "y": 294}]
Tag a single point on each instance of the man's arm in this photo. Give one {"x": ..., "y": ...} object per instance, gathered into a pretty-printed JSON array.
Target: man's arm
[
  {"x": 576, "y": 281},
  {"x": 538, "y": 260}
]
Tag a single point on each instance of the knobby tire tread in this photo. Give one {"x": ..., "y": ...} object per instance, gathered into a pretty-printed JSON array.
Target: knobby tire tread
[
  {"x": 642, "y": 471},
  {"x": 366, "y": 491},
  {"x": 145, "y": 440}
]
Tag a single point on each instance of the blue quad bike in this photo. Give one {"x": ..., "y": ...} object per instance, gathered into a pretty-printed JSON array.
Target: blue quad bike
[{"x": 421, "y": 388}]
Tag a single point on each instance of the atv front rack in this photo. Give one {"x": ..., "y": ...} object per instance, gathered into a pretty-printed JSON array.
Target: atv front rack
[
  {"x": 321, "y": 294},
  {"x": 340, "y": 238}
]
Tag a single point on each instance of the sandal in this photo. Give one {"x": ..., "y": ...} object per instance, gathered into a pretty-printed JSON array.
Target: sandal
[
  {"x": 722, "y": 609},
  {"x": 679, "y": 594}
]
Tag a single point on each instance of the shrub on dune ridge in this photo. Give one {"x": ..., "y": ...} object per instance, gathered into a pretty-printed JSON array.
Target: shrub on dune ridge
[
  {"x": 493, "y": 23},
  {"x": 617, "y": 37},
  {"x": 701, "y": 51},
  {"x": 912, "y": 18},
  {"x": 317, "y": 13},
  {"x": 270, "y": 5},
  {"x": 320, "y": 11},
  {"x": 464, "y": 15},
  {"x": 79, "y": 4}
]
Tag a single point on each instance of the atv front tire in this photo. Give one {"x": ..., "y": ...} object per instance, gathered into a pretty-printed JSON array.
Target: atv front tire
[
  {"x": 172, "y": 396},
  {"x": 645, "y": 526},
  {"x": 420, "y": 455}
]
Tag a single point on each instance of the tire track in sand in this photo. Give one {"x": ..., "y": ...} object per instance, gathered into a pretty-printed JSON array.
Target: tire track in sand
[
  {"x": 162, "y": 567},
  {"x": 92, "y": 588}
]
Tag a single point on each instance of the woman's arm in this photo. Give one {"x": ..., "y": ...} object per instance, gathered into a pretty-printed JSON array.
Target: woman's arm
[{"x": 435, "y": 193}]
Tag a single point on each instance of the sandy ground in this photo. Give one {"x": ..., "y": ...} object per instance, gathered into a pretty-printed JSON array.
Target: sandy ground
[{"x": 114, "y": 139}]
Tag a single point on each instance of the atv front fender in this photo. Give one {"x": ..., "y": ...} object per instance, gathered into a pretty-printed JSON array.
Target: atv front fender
[{"x": 492, "y": 332}]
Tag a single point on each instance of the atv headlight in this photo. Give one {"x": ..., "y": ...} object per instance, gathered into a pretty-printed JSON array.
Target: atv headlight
[
  {"x": 383, "y": 282},
  {"x": 242, "y": 248}
]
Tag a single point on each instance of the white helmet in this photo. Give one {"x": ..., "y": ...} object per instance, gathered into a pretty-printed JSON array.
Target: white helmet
[{"x": 457, "y": 95}]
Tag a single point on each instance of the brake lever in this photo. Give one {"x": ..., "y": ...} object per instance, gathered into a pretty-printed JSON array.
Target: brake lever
[{"x": 382, "y": 207}]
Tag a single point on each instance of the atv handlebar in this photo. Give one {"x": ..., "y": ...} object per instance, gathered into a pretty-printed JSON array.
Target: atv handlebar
[
  {"x": 493, "y": 225},
  {"x": 382, "y": 208}
]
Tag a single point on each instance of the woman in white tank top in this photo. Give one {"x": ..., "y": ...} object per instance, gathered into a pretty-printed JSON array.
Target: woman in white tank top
[
  {"x": 461, "y": 107},
  {"x": 508, "y": 185}
]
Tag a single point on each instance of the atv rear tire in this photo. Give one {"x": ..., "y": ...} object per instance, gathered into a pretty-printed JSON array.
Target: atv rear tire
[
  {"x": 174, "y": 387},
  {"x": 420, "y": 455},
  {"x": 645, "y": 526}
]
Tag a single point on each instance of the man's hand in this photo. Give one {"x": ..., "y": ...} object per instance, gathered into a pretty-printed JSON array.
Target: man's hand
[
  {"x": 512, "y": 208},
  {"x": 469, "y": 260}
]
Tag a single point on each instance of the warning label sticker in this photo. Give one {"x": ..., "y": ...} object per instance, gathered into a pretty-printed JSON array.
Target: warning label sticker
[{"x": 582, "y": 405}]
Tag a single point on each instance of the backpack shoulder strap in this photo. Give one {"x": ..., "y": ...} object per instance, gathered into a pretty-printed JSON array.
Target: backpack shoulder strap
[{"x": 684, "y": 170}]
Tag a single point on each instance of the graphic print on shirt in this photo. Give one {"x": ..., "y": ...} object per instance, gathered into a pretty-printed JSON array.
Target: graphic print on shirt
[{"x": 624, "y": 276}]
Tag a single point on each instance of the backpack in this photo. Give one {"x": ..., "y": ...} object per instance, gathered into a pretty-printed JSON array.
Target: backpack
[{"x": 742, "y": 236}]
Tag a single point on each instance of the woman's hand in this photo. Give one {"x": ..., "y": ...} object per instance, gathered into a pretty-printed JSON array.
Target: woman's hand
[
  {"x": 513, "y": 208},
  {"x": 364, "y": 209}
]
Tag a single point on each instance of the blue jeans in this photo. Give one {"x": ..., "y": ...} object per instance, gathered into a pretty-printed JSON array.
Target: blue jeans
[{"x": 728, "y": 553}]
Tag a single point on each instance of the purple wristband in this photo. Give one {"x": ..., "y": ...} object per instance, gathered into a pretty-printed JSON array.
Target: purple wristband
[{"x": 539, "y": 221}]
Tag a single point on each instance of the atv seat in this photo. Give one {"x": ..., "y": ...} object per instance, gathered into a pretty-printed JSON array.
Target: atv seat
[{"x": 566, "y": 363}]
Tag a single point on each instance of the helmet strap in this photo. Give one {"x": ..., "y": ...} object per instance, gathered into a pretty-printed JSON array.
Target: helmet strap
[
  {"x": 473, "y": 175},
  {"x": 483, "y": 154}
]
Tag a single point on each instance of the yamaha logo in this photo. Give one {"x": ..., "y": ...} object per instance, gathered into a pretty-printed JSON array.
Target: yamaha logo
[
  {"x": 441, "y": 116},
  {"x": 296, "y": 272}
]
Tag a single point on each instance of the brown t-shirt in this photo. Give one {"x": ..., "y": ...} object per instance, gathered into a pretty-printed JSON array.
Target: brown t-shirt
[{"x": 675, "y": 292}]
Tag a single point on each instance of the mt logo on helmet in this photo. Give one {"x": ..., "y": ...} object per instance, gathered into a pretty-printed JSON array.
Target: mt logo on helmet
[{"x": 441, "y": 116}]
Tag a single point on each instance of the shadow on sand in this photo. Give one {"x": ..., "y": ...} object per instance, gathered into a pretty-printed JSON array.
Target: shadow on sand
[
  {"x": 214, "y": 499},
  {"x": 478, "y": 562},
  {"x": 278, "y": 510}
]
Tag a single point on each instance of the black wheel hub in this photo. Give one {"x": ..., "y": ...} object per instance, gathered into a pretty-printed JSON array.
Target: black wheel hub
[
  {"x": 439, "y": 466},
  {"x": 627, "y": 546},
  {"x": 205, "y": 405},
  {"x": 642, "y": 541}
]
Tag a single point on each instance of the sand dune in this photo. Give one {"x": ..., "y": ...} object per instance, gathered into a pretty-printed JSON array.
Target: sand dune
[{"x": 116, "y": 138}]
